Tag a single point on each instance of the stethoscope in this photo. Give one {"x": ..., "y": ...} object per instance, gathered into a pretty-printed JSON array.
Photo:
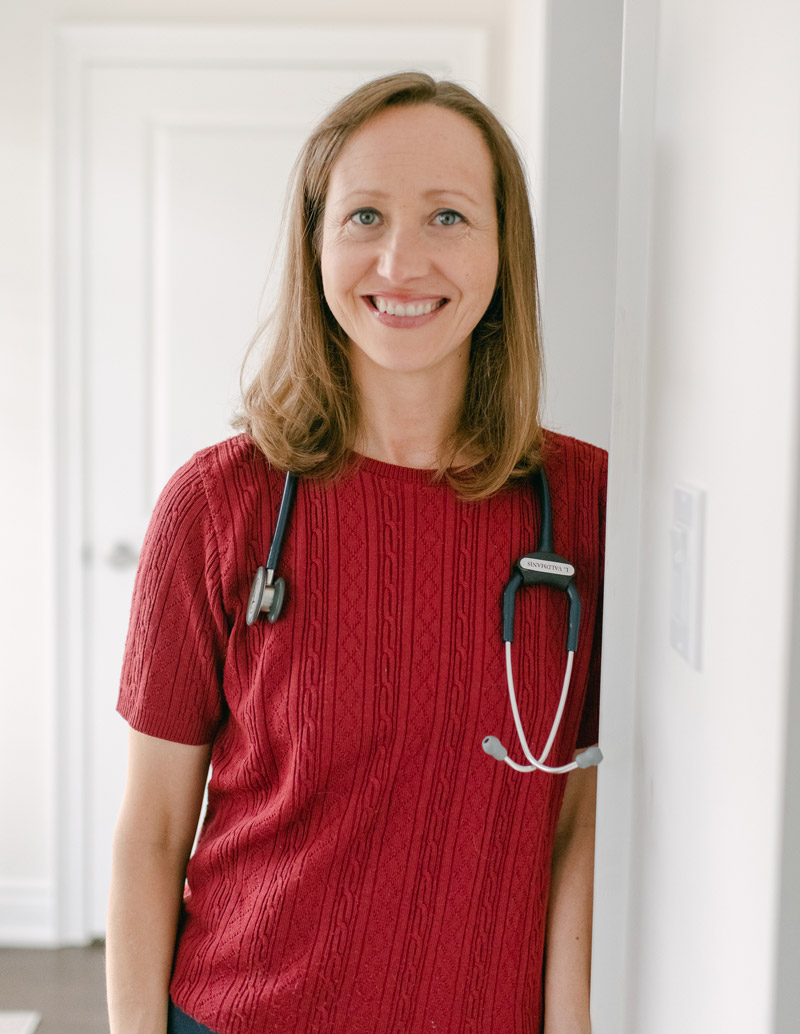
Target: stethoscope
[{"x": 542, "y": 567}]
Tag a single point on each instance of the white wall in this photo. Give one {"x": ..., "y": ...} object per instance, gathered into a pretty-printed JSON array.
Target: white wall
[
  {"x": 579, "y": 213},
  {"x": 707, "y": 749},
  {"x": 569, "y": 53},
  {"x": 787, "y": 986}
]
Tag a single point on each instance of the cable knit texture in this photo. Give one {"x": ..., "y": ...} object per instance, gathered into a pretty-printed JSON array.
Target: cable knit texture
[{"x": 364, "y": 867}]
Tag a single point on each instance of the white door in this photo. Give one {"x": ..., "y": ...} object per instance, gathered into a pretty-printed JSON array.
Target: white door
[{"x": 183, "y": 167}]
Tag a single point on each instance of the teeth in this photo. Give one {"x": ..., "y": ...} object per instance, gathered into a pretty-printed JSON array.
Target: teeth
[{"x": 400, "y": 309}]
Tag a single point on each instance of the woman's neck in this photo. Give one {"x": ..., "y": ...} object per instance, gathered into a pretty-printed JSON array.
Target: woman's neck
[{"x": 407, "y": 417}]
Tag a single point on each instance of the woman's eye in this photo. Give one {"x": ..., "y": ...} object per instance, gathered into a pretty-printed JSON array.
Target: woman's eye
[
  {"x": 449, "y": 218},
  {"x": 365, "y": 217}
]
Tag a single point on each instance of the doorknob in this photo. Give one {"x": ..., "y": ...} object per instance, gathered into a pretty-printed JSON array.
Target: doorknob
[{"x": 122, "y": 555}]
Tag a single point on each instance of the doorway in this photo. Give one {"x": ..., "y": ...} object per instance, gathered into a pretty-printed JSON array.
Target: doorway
[{"x": 175, "y": 147}]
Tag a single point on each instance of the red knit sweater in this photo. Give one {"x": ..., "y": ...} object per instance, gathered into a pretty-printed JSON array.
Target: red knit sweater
[{"x": 364, "y": 866}]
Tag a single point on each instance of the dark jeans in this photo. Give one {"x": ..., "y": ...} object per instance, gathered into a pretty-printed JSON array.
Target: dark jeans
[{"x": 179, "y": 1023}]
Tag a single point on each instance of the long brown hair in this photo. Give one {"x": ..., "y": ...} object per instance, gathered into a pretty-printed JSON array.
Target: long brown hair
[{"x": 301, "y": 406}]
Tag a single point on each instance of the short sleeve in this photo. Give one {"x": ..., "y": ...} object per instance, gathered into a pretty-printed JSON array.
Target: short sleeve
[
  {"x": 588, "y": 731},
  {"x": 171, "y": 685}
]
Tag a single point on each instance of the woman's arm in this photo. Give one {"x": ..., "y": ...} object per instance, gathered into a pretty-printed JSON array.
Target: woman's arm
[
  {"x": 569, "y": 915},
  {"x": 152, "y": 841}
]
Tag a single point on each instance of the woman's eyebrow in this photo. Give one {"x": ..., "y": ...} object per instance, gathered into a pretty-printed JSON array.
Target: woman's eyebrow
[
  {"x": 381, "y": 195},
  {"x": 450, "y": 191}
]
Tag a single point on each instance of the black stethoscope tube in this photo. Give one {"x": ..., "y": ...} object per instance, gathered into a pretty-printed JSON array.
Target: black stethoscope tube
[
  {"x": 545, "y": 513},
  {"x": 543, "y": 567},
  {"x": 287, "y": 501}
]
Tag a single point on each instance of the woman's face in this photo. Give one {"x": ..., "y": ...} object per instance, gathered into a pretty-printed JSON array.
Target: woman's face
[{"x": 409, "y": 244}]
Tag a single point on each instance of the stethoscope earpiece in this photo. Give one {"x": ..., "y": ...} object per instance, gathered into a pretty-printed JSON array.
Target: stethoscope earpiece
[{"x": 494, "y": 748}]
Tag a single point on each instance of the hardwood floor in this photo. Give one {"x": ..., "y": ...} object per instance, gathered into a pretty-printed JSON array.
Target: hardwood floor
[{"x": 65, "y": 985}]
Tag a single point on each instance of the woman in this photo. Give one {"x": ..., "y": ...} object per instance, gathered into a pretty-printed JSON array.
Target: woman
[{"x": 363, "y": 865}]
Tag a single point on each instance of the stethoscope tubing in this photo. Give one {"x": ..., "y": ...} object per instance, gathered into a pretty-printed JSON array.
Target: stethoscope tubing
[
  {"x": 542, "y": 567},
  {"x": 538, "y": 763},
  {"x": 284, "y": 512}
]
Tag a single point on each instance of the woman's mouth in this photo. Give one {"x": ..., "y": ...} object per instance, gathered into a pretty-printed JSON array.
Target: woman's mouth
[{"x": 408, "y": 309}]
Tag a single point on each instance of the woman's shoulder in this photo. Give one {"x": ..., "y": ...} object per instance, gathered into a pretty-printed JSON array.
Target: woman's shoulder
[
  {"x": 218, "y": 484},
  {"x": 232, "y": 467},
  {"x": 578, "y": 475},
  {"x": 230, "y": 458},
  {"x": 564, "y": 447}
]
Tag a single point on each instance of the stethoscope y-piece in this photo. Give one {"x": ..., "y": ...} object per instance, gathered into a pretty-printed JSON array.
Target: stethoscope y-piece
[{"x": 543, "y": 567}]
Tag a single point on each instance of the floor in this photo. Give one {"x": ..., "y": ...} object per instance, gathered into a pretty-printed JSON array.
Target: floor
[{"x": 65, "y": 985}]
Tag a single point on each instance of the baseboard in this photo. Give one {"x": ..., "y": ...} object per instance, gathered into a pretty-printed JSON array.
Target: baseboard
[
  {"x": 27, "y": 914},
  {"x": 19, "y": 1022}
]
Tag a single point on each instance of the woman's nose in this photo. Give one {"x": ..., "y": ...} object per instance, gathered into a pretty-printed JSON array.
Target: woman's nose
[{"x": 403, "y": 255}]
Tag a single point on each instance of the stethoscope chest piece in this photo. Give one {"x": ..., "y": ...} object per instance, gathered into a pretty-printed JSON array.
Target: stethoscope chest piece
[
  {"x": 267, "y": 592},
  {"x": 266, "y": 595}
]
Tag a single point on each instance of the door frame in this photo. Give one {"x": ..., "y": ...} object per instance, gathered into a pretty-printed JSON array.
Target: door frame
[
  {"x": 616, "y": 892},
  {"x": 77, "y": 49}
]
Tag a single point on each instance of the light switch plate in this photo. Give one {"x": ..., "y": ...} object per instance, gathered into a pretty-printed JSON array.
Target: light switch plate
[{"x": 687, "y": 537}]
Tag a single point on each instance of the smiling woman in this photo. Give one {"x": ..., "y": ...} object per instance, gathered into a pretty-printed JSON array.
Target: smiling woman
[
  {"x": 421, "y": 180},
  {"x": 364, "y": 867}
]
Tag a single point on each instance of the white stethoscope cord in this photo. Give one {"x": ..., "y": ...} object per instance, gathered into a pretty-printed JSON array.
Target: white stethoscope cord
[
  {"x": 495, "y": 748},
  {"x": 526, "y": 750}
]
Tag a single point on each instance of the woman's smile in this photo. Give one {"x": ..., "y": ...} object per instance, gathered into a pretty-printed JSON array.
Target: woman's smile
[
  {"x": 401, "y": 307},
  {"x": 403, "y": 313}
]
